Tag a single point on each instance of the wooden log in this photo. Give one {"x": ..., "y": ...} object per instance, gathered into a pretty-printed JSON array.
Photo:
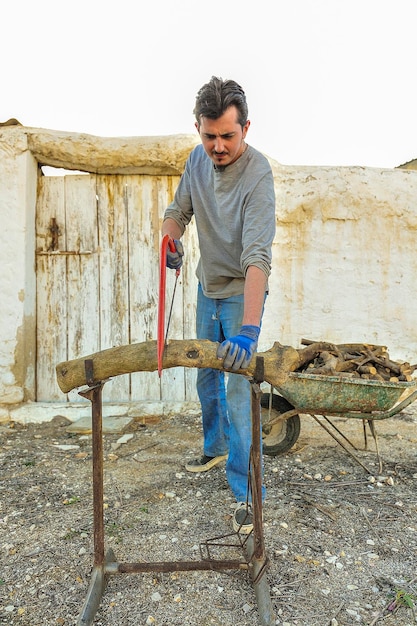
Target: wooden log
[
  {"x": 349, "y": 347},
  {"x": 383, "y": 372},
  {"x": 313, "y": 350},
  {"x": 385, "y": 361},
  {"x": 346, "y": 366},
  {"x": 279, "y": 361},
  {"x": 328, "y": 364},
  {"x": 155, "y": 155},
  {"x": 367, "y": 369}
]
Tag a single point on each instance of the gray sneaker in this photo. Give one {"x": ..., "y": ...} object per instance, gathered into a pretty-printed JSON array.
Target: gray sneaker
[
  {"x": 205, "y": 463},
  {"x": 243, "y": 518}
]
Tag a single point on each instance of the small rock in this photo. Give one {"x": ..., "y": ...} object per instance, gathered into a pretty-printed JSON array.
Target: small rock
[
  {"x": 60, "y": 420},
  {"x": 352, "y": 612},
  {"x": 331, "y": 559},
  {"x": 125, "y": 438},
  {"x": 81, "y": 455},
  {"x": 156, "y": 597}
]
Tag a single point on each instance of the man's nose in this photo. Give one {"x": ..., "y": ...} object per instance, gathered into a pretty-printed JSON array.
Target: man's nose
[{"x": 218, "y": 145}]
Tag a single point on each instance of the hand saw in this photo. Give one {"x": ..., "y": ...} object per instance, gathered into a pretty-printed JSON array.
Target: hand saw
[{"x": 161, "y": 336}]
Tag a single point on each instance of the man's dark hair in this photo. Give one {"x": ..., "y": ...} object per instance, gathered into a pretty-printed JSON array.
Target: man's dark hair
[{"x": 218, "y": 95}]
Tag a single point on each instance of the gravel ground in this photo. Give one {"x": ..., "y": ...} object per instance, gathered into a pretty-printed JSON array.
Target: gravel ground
[{"x": 341, "y": 541}]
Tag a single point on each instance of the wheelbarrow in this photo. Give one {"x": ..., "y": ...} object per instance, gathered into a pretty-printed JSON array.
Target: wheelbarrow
[{"x": 328, "y": 396}]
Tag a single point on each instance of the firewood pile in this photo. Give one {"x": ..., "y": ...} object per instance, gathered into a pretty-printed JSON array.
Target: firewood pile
[{"x": 357, "y": 360}]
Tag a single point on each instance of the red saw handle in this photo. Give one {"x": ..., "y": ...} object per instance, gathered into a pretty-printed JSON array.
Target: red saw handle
[{"x": 160, "y": 343}]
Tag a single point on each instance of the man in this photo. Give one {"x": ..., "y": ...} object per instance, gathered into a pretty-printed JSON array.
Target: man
[{"x": 228, "y": 187}]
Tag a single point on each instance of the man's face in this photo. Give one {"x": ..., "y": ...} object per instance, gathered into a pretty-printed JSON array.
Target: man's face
[{"x": 223, "y": 138}]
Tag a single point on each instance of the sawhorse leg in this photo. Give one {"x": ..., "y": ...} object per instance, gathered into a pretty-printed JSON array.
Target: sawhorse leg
[
  {"x": 255, "y": 547},
  {"x": 99, "y": 576}
]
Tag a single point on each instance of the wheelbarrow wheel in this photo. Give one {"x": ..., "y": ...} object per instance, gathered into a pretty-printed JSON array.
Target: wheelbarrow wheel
[{"x": 282, "y": 435}]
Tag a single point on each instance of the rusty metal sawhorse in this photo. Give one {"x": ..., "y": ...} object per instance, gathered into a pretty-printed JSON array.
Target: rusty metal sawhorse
[{"x": 253, "y": 546}]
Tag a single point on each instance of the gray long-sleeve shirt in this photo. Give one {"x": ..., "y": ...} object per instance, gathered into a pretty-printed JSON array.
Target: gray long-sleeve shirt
[{"x": 234, "y": 210}]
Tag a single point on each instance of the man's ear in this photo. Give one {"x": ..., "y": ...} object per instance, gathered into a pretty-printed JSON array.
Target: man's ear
[
  {"x": 197, "y": 125},
  {"x": 246, "y": 128}
]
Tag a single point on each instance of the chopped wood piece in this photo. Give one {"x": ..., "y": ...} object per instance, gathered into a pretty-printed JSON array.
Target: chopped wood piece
[{"x": 371, "y": 362}]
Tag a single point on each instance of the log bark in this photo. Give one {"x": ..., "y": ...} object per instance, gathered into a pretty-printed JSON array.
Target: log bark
[{"x": 279, "y": 361}]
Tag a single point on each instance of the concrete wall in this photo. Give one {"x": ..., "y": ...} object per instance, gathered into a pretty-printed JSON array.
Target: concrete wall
[{"x": 344, "y": 256}]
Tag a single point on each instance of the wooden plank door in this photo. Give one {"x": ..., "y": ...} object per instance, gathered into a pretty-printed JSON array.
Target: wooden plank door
[
  {"x": 67, "y": 277},
  {"x": 98, "y": 242}
]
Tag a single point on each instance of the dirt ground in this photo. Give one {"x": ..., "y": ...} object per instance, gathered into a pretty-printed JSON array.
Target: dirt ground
[{"x": 341, "y": 539}]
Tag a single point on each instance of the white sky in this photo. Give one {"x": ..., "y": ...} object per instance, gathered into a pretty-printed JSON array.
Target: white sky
[{"x": 328, "y": 82}]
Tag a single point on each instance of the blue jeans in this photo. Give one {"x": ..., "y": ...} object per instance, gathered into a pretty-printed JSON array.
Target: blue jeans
[{"x": 225, "y": 402}]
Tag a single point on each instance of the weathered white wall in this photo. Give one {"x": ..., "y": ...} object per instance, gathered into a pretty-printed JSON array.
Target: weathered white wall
[
  {"x": 344, "y": 257},
  {"x": 18, "y": 181}
]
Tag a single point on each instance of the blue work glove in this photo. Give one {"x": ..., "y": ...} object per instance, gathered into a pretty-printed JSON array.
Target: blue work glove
[
  {"x": 174, "y": 259},
  {"x": 237, "y": 351}
]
